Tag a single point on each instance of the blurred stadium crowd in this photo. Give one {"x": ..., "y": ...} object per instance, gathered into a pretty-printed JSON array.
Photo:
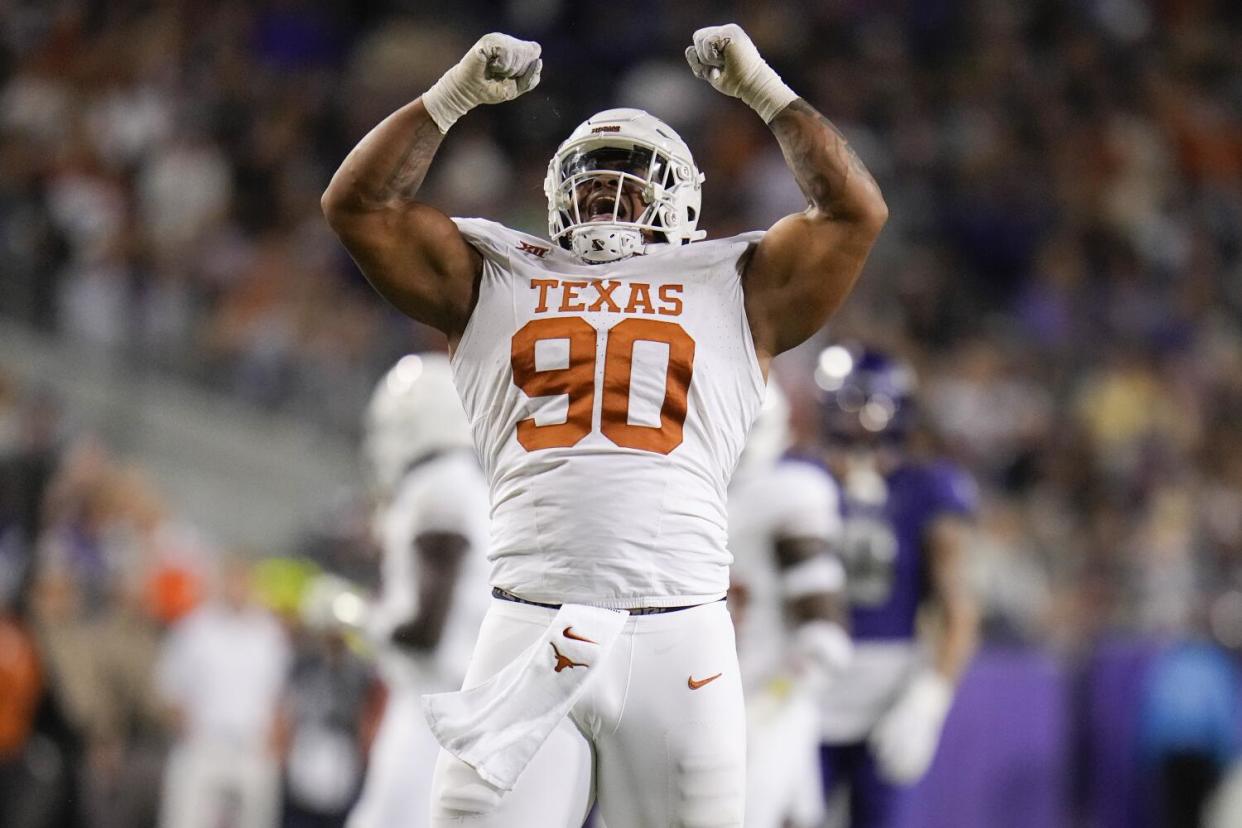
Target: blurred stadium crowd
[{"x": 1063, "y": 265}]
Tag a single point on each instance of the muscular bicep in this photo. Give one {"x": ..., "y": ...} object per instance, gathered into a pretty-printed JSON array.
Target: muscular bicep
[
  {"x": 808, "y": 262},
  {"x": 416, "y": 258},
  {"x": 409, "y": 251},
  {"x": 800, "y": 273}
]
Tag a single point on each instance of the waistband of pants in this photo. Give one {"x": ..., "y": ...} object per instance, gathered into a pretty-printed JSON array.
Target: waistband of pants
[{"x": 505, "y": 595}]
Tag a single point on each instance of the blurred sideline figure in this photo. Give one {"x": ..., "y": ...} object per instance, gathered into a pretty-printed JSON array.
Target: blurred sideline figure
[
  {"x": 221, "y": 673},
  {"x": 329, "y": 714},
  {"x": 432, "y": 523},
  {"x": 903, "y": 546},
  {"x": 786, "y": 597},
  {"x": 1188, "y": 727}
]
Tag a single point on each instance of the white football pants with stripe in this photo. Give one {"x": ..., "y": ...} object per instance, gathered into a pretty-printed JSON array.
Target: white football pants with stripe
[{"x": 658, "y": 738}]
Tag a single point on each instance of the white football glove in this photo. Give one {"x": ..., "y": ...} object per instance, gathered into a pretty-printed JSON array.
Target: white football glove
[
  {"x": 724, "y": 57},
  {"x": 496, "y": 69},
  {"x": 822, "y": 651},
  {"x": 904, "y": 742}
]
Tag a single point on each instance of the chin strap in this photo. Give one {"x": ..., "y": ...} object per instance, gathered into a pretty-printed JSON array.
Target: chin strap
[{"x": 606, "y": 243}]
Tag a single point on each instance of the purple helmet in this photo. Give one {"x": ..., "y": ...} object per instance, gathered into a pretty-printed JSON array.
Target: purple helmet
[{"x": 864, "y": 394}]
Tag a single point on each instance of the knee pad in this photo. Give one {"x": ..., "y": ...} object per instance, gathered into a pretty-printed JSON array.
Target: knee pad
[{"x": 710, "y": 785}]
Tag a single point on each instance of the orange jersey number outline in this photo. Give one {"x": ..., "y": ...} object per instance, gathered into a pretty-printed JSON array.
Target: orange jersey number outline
[{"x": 577, "y": 381}]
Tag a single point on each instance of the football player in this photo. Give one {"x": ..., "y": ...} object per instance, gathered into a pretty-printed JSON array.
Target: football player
[
  {"x": 903, "y": 544},
  {"x": 432, "y": 528},
  {"x": 786, "y": 597},
  {"x": 610, "y": 374}
]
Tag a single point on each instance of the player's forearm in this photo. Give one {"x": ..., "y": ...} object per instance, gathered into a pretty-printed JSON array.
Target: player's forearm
[
  {"x": 423, "y": 631},
  {"x": 387, "y": 166},
  {"x": 953, "y": 600},
  {"x": 958, "y": 638},
  {"x": 439, "y": 557},
  {"x": 811, "y": 583},
  {"x": 830, "y": 174}
]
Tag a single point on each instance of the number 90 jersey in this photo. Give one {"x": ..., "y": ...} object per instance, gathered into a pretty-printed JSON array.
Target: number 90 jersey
[{"x": 609, "y": 405}]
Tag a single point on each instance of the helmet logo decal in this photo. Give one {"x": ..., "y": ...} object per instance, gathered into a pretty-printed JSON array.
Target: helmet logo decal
[{"x": 608, "y": 128}]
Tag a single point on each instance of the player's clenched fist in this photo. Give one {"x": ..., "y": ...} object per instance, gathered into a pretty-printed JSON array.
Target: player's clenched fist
[
  {"x": 724, "y": 57},
  {"x": 496, "y": 69}
]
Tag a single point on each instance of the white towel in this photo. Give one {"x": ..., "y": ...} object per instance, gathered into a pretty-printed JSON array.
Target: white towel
[{"x": 497, "y": 726}]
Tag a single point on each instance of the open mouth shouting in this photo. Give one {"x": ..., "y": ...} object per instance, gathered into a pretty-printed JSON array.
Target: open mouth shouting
[
  {"x": 599, "y": 199},
  {"x": 601, "y": 204}
]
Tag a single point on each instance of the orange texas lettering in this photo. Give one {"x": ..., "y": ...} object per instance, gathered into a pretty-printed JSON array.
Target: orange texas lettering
[{"x": 607, "y": 296}]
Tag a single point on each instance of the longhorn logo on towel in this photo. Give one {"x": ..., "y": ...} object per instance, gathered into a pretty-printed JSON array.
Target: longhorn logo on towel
[{"x": 563, "y": 661}]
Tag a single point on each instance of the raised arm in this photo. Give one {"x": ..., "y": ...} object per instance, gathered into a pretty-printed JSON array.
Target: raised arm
[
  {"x": 807, "y": 263},
  {"x": 409, "y": 251}
]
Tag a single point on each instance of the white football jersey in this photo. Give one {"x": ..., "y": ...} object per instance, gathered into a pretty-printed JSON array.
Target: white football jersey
[
  {"x": 609, "y": 404},
  {"x": 446, "y": 493},
  {"x": 788, "y": 499}
]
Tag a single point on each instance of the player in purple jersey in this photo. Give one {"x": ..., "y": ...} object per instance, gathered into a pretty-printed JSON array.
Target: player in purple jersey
[{"x": 905, "y": 525}]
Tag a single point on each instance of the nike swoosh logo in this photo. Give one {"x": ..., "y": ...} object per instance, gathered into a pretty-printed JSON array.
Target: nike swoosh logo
[
  {"x": 695, "y": 685},
  {"x": 568, "y": 632}
]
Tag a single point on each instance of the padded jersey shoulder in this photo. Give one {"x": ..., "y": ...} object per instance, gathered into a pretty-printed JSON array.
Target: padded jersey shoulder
[{"x": 498, "y": 243}]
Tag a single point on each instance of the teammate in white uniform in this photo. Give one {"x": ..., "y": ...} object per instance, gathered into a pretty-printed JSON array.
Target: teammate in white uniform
[
  {"x": 610, "y": 377},
  {"x": 787, "y": 602},
  {"x": 432, "y": 528}
]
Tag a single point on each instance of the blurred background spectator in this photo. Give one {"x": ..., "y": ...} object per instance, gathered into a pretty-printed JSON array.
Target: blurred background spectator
[
  {"x": 1063, "y": 265},
  {"x": 221, "y": 674},
  {"x": 329, "y": 715}
]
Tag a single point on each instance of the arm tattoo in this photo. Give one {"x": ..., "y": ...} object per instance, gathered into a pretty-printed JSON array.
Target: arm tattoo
[
  {"x": 829, "y": 172},
  {"x": 408, "y": 174}
]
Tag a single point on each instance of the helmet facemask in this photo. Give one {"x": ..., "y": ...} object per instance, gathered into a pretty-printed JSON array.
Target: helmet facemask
[
  {"x": 611, "y": 193},
  {"x": 612, "y": 190}
]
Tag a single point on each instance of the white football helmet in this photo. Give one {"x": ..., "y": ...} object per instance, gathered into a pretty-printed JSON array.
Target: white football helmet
[
  {"x": 616, "y": 151},
  {"x": 770, "y": 435},
  {"x": 413, "y": 412}
]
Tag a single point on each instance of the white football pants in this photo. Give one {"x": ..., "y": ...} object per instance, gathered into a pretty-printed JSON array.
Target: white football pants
[
  {"x": 657, "y": 739},
  {"x": 398, "y": 780}
]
